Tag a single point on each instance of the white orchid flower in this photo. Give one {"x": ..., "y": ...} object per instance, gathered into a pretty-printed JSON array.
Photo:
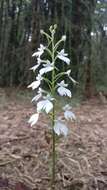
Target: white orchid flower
[
  {"x": 33, "y": 119},
  {"x": 62, "y": 90},
  {"x": 60, "y": 128},
  {"x": 40, "y": 51},
  {"x": 47, "y": 68},
  {"x": 69, "y": 115},
  {"x": 63, "y": 56},
  {"x": 45, "y": 105},
  {"x": 39, "y": 94},
  {"x": 36, "y": 84},
  {"x": 36, "y": 66}
]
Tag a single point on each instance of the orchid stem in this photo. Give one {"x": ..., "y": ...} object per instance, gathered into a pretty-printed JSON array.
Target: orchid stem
[
  {"x": 53, "y": 152},
  {"x": 53, "y": 118}
]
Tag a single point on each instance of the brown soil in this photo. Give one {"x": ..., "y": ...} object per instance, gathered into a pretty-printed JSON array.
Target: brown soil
[{"x": 25, "y": 151}]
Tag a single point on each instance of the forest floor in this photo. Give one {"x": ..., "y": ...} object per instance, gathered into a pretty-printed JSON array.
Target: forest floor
[{"x": 25, "y": 151}]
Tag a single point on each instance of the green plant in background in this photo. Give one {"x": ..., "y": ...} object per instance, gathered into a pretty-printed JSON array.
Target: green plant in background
[{"x": 46, "y": 100}]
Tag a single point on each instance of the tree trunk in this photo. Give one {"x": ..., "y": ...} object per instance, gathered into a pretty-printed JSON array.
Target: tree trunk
[
  {"x": 76, "y": 39},
  {"x": 88, "y": 79},
  {"x": 35, "y": 24}
]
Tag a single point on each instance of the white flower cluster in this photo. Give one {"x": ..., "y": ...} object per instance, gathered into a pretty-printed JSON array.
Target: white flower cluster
[{"x": 44, "y": 99}]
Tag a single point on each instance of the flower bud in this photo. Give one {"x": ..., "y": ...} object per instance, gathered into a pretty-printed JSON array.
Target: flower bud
[
  {"x": 64, "y": 38},
  {"x": 41, "y": 31}
]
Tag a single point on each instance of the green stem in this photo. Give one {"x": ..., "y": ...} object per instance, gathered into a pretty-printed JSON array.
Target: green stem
[
  {"x": 53, "y": 151},
  {"x": 53, "y": 119}
]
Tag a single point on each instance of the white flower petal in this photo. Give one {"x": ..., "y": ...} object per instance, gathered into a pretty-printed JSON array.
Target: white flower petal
[
  {"x": 64, "y": 91},
  {"x": 34, "y": 85},
  {"x": 69, "y": 115},
  {"x": 44, "y": 105},
  {"x": 60, "y": 128},
  {"x": 33, "y": 119}
]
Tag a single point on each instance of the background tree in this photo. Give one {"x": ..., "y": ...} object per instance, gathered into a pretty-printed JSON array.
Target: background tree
[{"x": 83, "y": 22}]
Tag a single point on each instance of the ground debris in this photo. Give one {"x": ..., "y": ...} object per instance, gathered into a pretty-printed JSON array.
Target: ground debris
[{"x": 25, "y": 151}]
